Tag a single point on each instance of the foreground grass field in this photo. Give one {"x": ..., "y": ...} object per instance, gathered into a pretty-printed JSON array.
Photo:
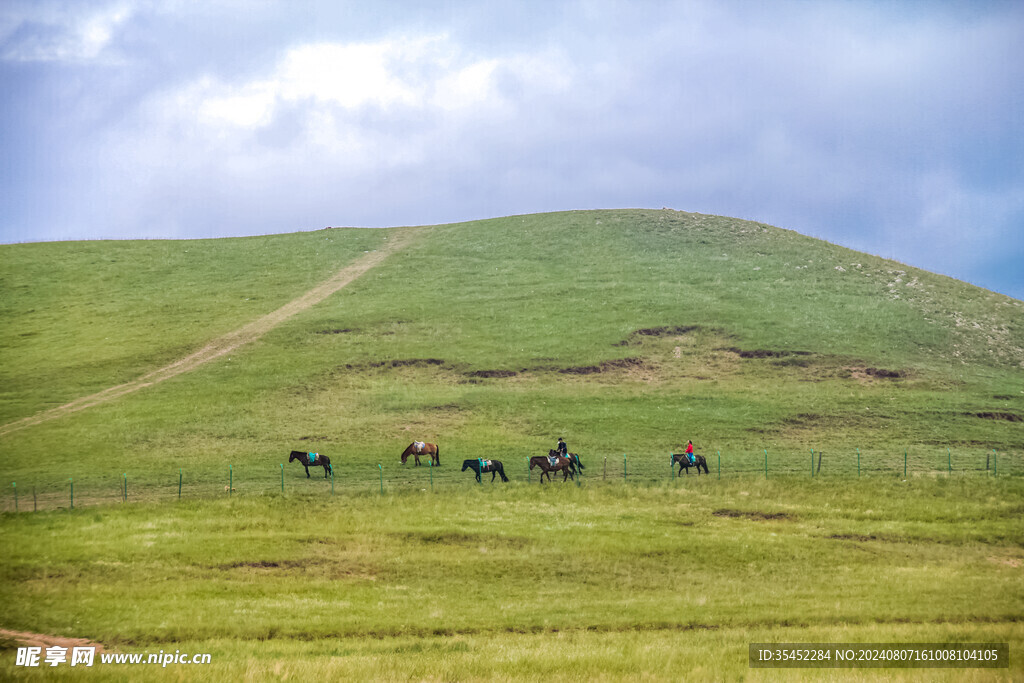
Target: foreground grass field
[{"x": 600, "y": 581}]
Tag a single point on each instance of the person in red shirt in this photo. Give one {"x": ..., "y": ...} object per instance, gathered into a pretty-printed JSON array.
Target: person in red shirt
[{"x": 689, "y": 451}]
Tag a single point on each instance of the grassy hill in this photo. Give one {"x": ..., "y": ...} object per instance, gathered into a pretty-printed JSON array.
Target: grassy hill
[
  {"x": 626, "y": 332},
  {"x": 623, "y": 331}
]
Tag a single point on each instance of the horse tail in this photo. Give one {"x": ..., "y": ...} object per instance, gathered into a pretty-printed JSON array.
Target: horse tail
[{"x": 437, "y": 453}]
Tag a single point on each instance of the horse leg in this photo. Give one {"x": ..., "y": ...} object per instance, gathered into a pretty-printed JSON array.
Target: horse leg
[
  {"x": 307, "y": 471},
  {"x": 494, "y": 473}
]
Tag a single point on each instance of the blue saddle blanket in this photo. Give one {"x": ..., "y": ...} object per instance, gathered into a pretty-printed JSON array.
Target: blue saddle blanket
[{"x": 313, "y": 457}]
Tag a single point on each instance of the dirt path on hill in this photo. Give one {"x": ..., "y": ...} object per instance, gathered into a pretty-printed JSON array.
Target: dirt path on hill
[
  {"x": 26, "y": 639},
  {"x": 230, "y": 341}
]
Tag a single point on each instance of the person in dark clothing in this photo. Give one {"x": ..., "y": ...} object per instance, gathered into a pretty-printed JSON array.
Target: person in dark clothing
[{"x": 562, "y": 449}]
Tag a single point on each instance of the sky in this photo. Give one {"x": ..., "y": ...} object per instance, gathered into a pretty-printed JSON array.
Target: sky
[{"x": 895, "y": 128}]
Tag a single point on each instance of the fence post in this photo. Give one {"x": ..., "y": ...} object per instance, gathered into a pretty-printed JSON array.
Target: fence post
[
  {"x": 995, "y": 463},
  {"x": 858, "y": 462},
  {"x": 766, "y": 463},
  {"x": 282, "y": 478},
  {"x": 332, "y": 481},
  {"x": 381, "y": 468},
  {"x": 625, "y": 474},
  {"x": 812, "y": 462},
  {"x": 231, "y": 480},
  {"x": 949, "y": 460},
  {"x": 819, "y": 463},
  {"x": 71, "y": 481},
  {"x": 605, "y": 475},
  {"x": 179, "y": 483},
  {"x": 125, "y": 487},
  {"x": 719, "y": 464},
  {"x": 904, "y": 464}
]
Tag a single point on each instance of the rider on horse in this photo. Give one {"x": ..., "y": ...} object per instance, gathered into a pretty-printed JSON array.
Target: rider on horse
[
  {"x": 562, "y": 449},
  {"x": 689, "y": 452}
]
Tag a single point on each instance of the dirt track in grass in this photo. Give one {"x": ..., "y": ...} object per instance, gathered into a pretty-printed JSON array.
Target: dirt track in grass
[
  {"x": 228, "y": 342},
  {"x": 26, "y": 639}
]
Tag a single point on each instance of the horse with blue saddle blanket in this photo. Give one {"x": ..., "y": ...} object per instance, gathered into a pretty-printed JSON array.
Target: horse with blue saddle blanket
[
  {"x": 688, "y": 460},
  {"x": 312, "y": 460},
  {"x": 479, "y": 465}
]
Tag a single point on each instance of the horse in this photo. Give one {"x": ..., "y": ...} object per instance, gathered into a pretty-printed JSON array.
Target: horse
[
  {"x": 577, "y": 466},
  {"x": 430, "y": 449},
  {"x": 321, "y": 461},
  {"x": 492, "y": 466},
  {"x": 684, "y": 461},
  {"x": 562, "y": 464}
]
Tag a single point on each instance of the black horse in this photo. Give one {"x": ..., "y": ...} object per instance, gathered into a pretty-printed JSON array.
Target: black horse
[
  {"x": 493, "y": 466},
  {"x": 319, "y": 461},
  {"x": 684, "y": 461},
  {"x": 575, "y": 466}
]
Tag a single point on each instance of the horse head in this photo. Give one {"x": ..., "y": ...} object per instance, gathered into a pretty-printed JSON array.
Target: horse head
[{"x": 466, "y": 464}]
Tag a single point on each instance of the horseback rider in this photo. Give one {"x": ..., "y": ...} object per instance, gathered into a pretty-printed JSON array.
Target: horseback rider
[
  {"x": 689, "y": 452},
  {"x": 562, "y": 449}
]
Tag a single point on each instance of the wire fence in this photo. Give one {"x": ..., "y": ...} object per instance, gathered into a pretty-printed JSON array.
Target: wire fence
[{"x": 346, "y": 479}]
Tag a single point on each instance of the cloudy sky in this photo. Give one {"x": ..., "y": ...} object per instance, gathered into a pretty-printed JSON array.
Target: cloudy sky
[{"x": 896, "y": 128}]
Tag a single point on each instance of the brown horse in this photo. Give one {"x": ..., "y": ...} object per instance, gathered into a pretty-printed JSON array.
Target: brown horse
[
  {"x": 562, "y": 464},
  {"x": 429, "y": 449}
]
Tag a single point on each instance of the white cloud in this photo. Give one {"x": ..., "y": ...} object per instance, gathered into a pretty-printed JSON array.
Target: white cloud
[
  {"x": 44, "y": 32},
  {"x": 410, "y": 74}
]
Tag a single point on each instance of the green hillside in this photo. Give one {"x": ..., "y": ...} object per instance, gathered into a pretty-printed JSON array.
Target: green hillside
[
  {"x": 627, "y": 333},
  {"x": 624, "y": 331}
]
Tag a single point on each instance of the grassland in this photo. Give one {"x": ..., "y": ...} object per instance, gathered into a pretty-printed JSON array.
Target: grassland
[
  {"x": 627, "y": 332},
  {"x": 520, "y": 581}
]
